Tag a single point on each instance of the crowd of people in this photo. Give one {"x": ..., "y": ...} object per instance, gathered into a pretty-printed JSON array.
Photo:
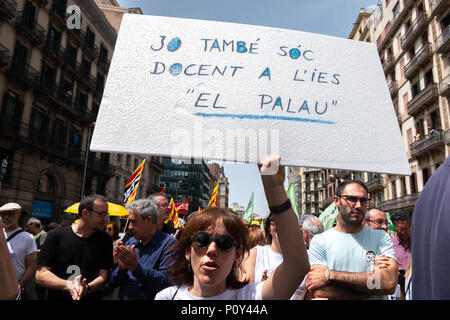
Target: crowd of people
[{"x": 216, "y": 256}]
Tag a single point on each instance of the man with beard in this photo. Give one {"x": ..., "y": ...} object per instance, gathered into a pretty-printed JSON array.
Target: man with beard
[
  {"x": 351, "y": 261},
  {"x": 74, "y": 261}
]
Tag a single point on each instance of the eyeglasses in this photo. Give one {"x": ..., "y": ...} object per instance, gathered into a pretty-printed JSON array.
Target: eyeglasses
[
  {"x": 379, "y": 222},
  {"x": 101, "y": 214},
  {"x": 400, "y": 229},
  {"x": 164, "y": 205},
  {"x": 353, "y": 199},
  {"x": 224, "y": 242}
]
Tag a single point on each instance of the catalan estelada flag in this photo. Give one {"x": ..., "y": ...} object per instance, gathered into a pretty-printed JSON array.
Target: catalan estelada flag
[
  {"x": 132, "y": 184},
  {"x": 213, "y": 199},
  {"x": 173, "y": 216}
]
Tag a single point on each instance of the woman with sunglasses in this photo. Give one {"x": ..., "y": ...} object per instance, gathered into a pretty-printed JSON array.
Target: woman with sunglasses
[{"x": 214, "y": 242}]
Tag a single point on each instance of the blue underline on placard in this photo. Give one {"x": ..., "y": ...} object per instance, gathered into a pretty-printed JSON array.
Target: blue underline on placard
[{"x": 257, "y": 117}]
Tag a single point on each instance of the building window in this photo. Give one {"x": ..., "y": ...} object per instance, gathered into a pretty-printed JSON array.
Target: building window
[
  {"x": 394, "y": 189},
  {"x": 425, "y": 175},
  {"x": 413, "y": 182},
  {"x": 46, "y": 184}
]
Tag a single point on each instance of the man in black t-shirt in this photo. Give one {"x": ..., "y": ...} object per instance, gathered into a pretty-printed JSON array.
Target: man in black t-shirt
[{"x": 75, "y": 260}]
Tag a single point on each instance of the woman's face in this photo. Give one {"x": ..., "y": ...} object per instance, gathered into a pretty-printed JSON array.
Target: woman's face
[
  {"x": 211, "y": 265},
  {"x": 273, "y": 231}
]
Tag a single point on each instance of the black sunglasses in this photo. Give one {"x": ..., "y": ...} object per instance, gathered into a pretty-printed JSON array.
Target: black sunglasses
[
  {"x": 7, "y": 213},
  {"x": 353, "y": 199},
  {"x": 224, "y": 242}
]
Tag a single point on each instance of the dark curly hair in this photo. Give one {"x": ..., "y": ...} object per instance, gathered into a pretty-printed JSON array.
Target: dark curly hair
[{"x": 179, "y": 273}]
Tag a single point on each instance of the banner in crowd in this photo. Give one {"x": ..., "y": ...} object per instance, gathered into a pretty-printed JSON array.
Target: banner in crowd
[
  {"x": 239, "y": 92},
  {"x": 213, "y": 200},
  {"x": 132, "y": 184}
]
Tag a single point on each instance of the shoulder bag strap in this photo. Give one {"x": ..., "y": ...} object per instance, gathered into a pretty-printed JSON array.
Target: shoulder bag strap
[{"x": 14, "y": 234}]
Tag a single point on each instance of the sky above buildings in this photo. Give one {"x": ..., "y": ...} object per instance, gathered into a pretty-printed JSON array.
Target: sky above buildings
[{"x": 329, "y": 17}]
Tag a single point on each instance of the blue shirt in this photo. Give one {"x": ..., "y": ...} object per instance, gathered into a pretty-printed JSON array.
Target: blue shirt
[{"x": 151, "y": 274}]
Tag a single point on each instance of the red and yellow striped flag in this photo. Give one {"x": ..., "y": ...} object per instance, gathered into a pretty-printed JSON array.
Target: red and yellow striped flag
[
  {"x": 213, "y": 200},
  {"x": 173, "y": 216},
  {"x": 132, "y": 184}
]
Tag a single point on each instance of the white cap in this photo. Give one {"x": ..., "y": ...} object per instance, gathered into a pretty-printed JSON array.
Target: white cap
[{"x": 11, "y": 206}]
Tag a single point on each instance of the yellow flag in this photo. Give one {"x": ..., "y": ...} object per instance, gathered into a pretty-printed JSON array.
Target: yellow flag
[{"x": 213, "y": 200}]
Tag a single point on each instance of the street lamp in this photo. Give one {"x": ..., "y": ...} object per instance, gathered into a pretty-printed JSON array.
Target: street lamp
[{"x": 88, "y": 144}]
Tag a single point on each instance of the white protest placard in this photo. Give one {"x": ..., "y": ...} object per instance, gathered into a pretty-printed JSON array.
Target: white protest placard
[{"x": 224, "y": 91}]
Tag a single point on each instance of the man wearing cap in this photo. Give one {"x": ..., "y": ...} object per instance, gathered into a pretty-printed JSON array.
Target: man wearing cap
[{"x": 21, "y": 244}]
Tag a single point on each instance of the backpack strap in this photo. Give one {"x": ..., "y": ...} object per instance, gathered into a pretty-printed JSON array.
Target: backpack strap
[{"x": 14, "y": 234}]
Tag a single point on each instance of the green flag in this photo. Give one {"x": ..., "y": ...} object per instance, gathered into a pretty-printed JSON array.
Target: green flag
[
  {"x": 390, "y": 224},
  {"x": 248, "y": 216},
  {"x": 293, "y": 197},
  {"x": 329, "y": 216}
]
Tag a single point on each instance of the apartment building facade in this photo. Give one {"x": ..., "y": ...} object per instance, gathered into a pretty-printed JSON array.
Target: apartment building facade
[
  {"x": 51, "y": 83},
  {"x": 311, "y": 189},
  {"x": 413, "y": 43}
]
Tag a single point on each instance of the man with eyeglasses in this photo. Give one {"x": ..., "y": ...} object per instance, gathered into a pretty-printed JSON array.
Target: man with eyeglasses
[
  {"x": 163, "y": 205},
  {"x": 401, "y": 220},
  {"x": 75, "y": 260},
  {"x": 343, "y": 259},
  {"x": 144, "y": 260},
  {"x": 376, "y": 219}
]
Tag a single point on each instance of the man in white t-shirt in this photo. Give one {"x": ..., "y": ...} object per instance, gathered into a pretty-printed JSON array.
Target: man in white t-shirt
[
  {"x": 21, "y": 244},
  {"x": 343, "y": 259}
]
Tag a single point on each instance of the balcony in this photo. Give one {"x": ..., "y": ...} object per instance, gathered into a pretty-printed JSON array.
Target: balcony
[
  {"x": 32, "y": 30},
  {"x": 443, "y": 41},
  {"x": 53, "y": 53},
  {"x": 405, "y": 202},
  {"x": 70, "y": 65},
  {"x": 11, "y": 120},
  {"x": 78, "y": 36},
  {"x": 343, "y": 174},
  {"x": 46, "y": 90},
  {"x": 58, "y": 14},
  {"x": 88, "y": 83},
  {"x": 422, "y": 99},
  {"x": 98, "y": 92},
  {"x": 91, "y": 51},
  {"x": 7, "y": 9},
  {"x": 42, "y": 3},
  {"x": 393, "y": 87},
  {"x": 103, "y": 65},
  {"x": 439, "y": 7},
  {"x": 444, "y": 87},
  {"x": 375, "y": 183},
  {"x": 407, "y": 4},
  {"x": 447, "y": 136},
  {"x": 65, "y": 97},
  {"x": 388, "y": 64},
  {"x": 5, "y": 55},
  {"x": 432, "y": 141},
  {"x": 421, "y": 57},
  {"x": 414, "y": 30},
  {"x": 23, "y": 74}
]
